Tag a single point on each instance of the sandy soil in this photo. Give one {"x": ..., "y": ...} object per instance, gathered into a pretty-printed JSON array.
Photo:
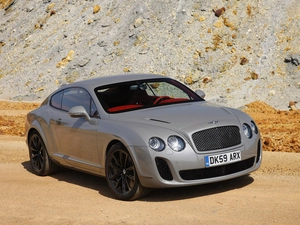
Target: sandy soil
[
  {"x": 270, "y": 195},
  {"x": 280, "y": 129}
]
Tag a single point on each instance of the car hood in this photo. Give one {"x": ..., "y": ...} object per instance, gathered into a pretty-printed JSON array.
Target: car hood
[{"x": 184, "y": 116}]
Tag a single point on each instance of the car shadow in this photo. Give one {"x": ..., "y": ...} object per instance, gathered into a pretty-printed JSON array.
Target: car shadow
[
  {"x": 156, "y": 195},
  {"x": 78, "y": 178},
  {"x": 179, "y": 193}
]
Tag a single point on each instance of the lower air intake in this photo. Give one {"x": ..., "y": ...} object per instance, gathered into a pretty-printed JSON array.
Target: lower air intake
[
  {"x": 217, "y": 171},
  {"x": 163, "y": 169}
]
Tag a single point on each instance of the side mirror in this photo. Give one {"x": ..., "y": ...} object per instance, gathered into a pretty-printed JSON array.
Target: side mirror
[
  {"x": 78, "y": 112},
  {"x": 200, "y": 93}
]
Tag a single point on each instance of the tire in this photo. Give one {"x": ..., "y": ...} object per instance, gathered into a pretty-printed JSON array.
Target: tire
[
  {"x": 121, "y": 175},
  {"x": 40, "y": 162}
]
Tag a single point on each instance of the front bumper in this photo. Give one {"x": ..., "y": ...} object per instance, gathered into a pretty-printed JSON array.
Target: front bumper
[{"x": 186, "y": 168}]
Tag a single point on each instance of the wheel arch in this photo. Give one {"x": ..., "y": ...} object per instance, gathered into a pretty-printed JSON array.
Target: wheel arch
[
  {"x": 131, "y": 151},
  {"x": 113, "y": 142},
  {"x": 42, "y": 135},
  {"x": 31, "y": 131},
  {"x": 122, "y": 144}
]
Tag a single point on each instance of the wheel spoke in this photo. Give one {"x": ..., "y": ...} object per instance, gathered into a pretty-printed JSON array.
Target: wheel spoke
[
  {"x": 121, "y": 159},
  {"x": 115, "y": 167},
  {"x": 33, "y": 151},
  {"x": 129, "y": 183},
  {"x": 116, "y": 182},
  {"x": 35, "y": 160},
  {"x": 38, "y": 163},
  {"x": 124, "y": 185},
  {"x": 130, "y": 173},
  {"x": 125, "y": 160},
  {"x": 115, "y": 172},
  {"x": 114, "y": 176},
  {"x": 116, "y": 161},
  {"x": 36, "y": 143},
  {"x": 41, "y": 162}
]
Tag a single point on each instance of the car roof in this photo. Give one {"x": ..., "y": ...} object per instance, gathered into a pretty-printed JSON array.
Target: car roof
[{"x": 111, "y": 79}]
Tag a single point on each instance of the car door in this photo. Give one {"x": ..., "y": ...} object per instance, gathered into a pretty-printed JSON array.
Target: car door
[{"x": 76, "y": 137}]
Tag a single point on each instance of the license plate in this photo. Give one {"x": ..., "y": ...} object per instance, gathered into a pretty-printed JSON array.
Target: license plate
[{"x": 220, "y": 159}]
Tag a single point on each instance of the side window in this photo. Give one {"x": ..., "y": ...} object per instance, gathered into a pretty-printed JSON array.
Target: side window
[
  {"x": 56, "y": 100},
  {"x": 71, "y": 97},
  {"x": 75, "y": 97}
]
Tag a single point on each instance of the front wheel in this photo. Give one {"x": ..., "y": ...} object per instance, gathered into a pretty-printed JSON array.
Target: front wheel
[
  {"x": 40, "y": 162},
  {"x": 121, "y": 175}
]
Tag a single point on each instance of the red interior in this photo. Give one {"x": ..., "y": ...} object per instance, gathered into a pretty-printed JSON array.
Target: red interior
[{"x": 123, "y": 107}]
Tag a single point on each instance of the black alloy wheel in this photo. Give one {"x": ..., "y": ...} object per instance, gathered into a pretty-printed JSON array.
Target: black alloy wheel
[
  {"x": 40, "y": 162},
  {"x": 121, "y": 175}
]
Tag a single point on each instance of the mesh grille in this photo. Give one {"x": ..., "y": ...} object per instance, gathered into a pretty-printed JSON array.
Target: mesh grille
[
  {"x": 163, "y": 169},
  {"x": 217, "y": 171},
  {"x": 217, "y": 138}
]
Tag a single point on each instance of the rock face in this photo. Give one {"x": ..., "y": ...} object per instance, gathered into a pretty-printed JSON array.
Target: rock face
[{"x": 235, "y": 51}]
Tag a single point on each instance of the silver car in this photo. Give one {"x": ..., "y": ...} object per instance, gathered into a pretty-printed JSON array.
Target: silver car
[{"x": 141, "y": 131}]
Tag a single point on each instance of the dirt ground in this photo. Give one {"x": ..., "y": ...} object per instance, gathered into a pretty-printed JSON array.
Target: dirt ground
[
  {"x": 280, "y": 129},
  {"x": 270, "y": 195}
]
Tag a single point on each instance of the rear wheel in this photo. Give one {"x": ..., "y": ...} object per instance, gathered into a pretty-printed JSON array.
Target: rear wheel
[
  {"x": 121, "y": 175},
  {"x": 40, "y": 162}
]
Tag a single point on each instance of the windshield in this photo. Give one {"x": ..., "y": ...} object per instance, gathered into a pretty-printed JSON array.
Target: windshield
[{"x": 140, "y": 94}]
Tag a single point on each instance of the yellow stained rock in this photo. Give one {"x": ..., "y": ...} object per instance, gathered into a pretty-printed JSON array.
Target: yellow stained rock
[
  {"x": 40, "y": 89},
  {"x": 50, "y": 7},
  {"x": 218, "y": 23},
  {"x": 96, "y": 9},
  {"x": 66, "y": 60},
  {"x": 189, "y": 80},
  {"x": 127, "y": 69},
  {"x": 201, "y": 18},
  {"x": 227, "y": 23},
  {"x": 5, "y": 4},
  {"x": 292, "y": 105},
  {"x": 138, "y": 22}
]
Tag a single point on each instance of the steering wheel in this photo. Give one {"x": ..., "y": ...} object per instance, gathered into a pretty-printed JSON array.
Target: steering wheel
[{"x": 159, "y": 99}]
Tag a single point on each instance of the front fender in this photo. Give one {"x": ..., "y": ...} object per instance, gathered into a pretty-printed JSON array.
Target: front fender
[{"x": 135, "y": 137}]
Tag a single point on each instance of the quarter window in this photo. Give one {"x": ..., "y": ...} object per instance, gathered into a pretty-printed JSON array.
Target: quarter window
[{"x": 56, "y": 100}]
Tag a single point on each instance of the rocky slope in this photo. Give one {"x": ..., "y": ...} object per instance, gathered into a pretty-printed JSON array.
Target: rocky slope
[{"x": 236, "y": 51}]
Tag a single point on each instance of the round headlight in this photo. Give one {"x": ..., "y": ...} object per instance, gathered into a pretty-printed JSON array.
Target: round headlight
[
  {"x": 247, "y": 130},
  {"x": 176, "y": 143},
  {"x": 253, "y": 127},
  {"x": 156, "y": 144}
]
